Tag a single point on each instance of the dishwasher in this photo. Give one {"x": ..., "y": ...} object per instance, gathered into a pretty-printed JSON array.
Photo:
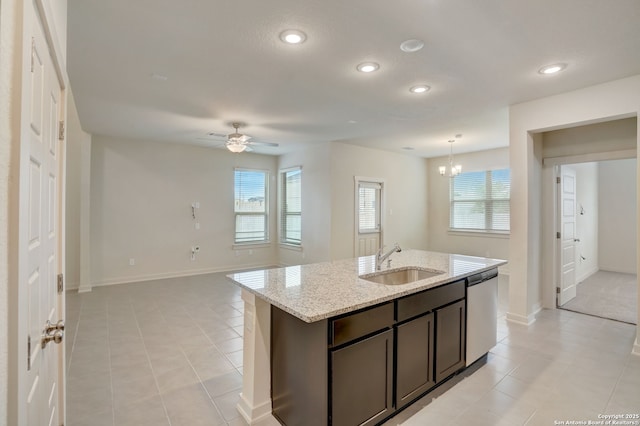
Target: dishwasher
[{"x": 482, "y": 314}]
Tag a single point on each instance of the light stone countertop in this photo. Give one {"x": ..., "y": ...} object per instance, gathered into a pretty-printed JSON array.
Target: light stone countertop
[{"x": 317, "y": 291}]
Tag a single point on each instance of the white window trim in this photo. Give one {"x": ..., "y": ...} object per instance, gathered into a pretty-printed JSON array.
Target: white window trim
[
  {"x": 285, "y": 244},
  {"x": 254, "y": 244},
  {"x": 495, "y": 233}
]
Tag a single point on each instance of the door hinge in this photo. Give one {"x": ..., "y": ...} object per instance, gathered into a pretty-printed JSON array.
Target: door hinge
[
  {"x": 29, "y": 353},
  {"x": 558, "y": 235},
  {"x": 60, "y": 283},
  {"x": 33, "y": 48},
  {"x": 61, "y": 131},
  {"x": 557, "y": 290},
  {"x": 557, "y": 179}
]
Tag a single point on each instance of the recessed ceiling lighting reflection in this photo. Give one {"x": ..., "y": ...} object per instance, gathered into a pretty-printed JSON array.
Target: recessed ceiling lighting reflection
[
  {"x": 552, "y": 69},
  {"x": 368, "y": 67},
  {"x": 293, "y": 36},
  {"x": 420, "y": 89},
  {"x": 412, "y": 45}
]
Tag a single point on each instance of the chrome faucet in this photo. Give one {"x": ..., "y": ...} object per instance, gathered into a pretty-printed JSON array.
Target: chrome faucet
[{"x": 382, "y": 257}]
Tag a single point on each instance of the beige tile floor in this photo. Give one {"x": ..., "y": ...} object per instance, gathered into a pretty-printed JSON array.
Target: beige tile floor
[{"x": 169, "y": 352}]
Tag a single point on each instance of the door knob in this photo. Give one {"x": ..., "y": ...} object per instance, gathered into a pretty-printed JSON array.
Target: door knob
[
  {"x": 55, "y": 336},
  {"x": 576, "y": 240},
  {"x": 52, "y": 333}
]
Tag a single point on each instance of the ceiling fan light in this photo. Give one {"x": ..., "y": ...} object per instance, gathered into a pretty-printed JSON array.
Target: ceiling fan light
[{"x": 236, "y": 147}]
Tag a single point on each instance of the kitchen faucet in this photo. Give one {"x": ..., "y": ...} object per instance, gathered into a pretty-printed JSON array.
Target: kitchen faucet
[{"x": 382, "y": 257}]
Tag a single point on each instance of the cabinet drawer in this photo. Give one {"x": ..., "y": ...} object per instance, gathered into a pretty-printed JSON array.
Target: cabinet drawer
[
  {"x": 360, "y": 324},
  {"x": 417, "y": 304}
]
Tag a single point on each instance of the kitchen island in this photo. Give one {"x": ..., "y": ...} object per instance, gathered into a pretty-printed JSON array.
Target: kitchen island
[{"x": 319, "y": 338}]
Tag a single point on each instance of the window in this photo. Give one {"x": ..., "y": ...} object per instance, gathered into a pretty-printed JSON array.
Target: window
[
  {"x": 291, "y": 206},
  {"x": 251, "y": 205},
  {"x": 480, "y": 201},
  {"x": 369, "y": 207}
]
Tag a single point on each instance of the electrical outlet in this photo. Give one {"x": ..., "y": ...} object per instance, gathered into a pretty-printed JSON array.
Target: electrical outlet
[{"x": 132, "y": 261}]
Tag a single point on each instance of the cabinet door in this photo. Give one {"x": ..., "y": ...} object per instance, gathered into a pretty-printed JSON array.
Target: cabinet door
[
  {"x": 361, "y": 381},
  {"x": 414, "y": 359},
  {"x": 450, "y": 339}
]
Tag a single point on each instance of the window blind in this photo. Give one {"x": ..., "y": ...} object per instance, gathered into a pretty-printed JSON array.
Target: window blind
[
  {"x": 291, "y": 206},
  {"x": 368, "y": 207},
  {"x": 251, "y": 206},
  {"x": 481, "y": 201}
]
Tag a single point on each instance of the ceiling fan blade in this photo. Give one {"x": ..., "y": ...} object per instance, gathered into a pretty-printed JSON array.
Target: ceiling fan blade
[{"x": 257, "y": 143}]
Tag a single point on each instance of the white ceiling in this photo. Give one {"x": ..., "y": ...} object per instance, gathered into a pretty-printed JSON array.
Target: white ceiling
[{"x": 224, "y": 62}]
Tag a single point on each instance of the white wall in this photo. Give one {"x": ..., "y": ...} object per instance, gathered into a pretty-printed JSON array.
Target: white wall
[
  {"x": 612, "y": 135},
  {"x": 440, "y": 238},
  {"x": 316, "y": 204},
  {"x": 406, "y": 183},
  {"x": 612, "y": 100},
  {"x": 618, "y": 216},
  {"x": 141, "y": 195},
  {"x": 587, "y": 211},
  {"x": 76, "y": 138},
  {"x": 9, "y": 145}
]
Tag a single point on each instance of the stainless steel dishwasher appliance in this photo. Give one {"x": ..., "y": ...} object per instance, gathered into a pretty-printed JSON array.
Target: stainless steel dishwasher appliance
[{"x": 482, "y": 314}]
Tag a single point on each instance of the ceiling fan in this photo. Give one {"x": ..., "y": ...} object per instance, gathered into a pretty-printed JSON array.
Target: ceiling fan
[{"x": 238, "y": 142}]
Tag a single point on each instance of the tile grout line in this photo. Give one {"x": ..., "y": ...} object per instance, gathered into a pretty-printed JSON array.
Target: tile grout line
[
  {"x": 146, "y": 352},
  {"x": 196, "y": 372},
  {"x": 113, "y": 399}
]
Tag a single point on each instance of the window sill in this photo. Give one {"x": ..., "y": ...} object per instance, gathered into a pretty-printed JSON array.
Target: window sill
[
  {"x": 247, "y": 246},
  {"x": 291, "y": 247},
  {"x": 480, "y": 233}
]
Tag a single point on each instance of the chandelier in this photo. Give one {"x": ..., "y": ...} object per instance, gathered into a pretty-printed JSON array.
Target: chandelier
[{"x": 452, "y": 170}]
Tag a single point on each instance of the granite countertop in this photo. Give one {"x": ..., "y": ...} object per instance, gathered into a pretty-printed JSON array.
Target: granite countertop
[{"x": 317, "y": 291}]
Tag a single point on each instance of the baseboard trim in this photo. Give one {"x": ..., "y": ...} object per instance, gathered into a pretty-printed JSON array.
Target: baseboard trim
[
  {"x": 258, "y": 415},
  {"x": 521, "y": 319},
  {"x": 586, "y": 275},
  {"x": 175, "y": 274}
]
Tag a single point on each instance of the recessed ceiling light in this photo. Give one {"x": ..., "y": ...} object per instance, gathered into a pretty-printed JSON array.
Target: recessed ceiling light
[
  {"x": 293, "y": 36},
  {"x": 420, "y": 89},
  {"x": 412, "y": 45},
  {"x": 368, "y": 67},
  {"x": 552, "y": 69},
  {"x": 159, "y": 77}
]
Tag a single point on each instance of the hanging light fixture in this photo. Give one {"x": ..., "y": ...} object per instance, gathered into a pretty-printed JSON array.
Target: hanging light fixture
[
  {"x": 237, "y": 142},
  {"x": 452, "y": 170}
]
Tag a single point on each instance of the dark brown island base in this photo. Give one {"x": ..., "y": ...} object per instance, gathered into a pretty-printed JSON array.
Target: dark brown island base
[{"x": 359, "y": 366}]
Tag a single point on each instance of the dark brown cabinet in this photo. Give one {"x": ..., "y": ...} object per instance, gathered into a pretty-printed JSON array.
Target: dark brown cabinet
[
  {"x": 414, "y": 359},
  {"x": 362, "y": 381},
  {"x": 360, "y": 368},
  {"x": 450, "y": 339}
]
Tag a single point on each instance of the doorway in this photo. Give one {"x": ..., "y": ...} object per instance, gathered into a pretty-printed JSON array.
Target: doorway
[
  {"x": 369, "y": 201},
  {"x": 600, "y": 260}
]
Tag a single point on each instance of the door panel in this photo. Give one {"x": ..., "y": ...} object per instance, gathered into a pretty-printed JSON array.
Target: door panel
[
  {"x": 368, "y": 217},
  {"x": 567, "y": 194},
  {"x": 361, "y": 381},
  {"x": 43, "y": 194}
]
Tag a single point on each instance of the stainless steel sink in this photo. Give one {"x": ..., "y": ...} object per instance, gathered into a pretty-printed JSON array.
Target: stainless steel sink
[{"x": 400, "y": 276}]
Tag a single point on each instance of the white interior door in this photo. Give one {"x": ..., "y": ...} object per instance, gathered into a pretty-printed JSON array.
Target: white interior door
[
  {"x": 368, "y": 217},
  {"x": 567, "y": 226},
  {"x": 41, "y": 242}
]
